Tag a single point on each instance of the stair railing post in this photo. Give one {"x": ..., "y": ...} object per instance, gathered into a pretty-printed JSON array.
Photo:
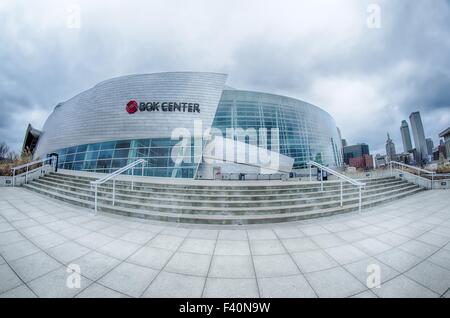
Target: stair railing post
[
  {"x": 132, "y": 178},
  {"x": 341, "y": 193},
  {"x": 14, "y": 178},
  {"x": 321, "y": 180},
  {"x": 359, "y": 199},
  {"x": 114, "y": 191},
  {"x": 142, "y": 168},
  {"x": 95, "y": 199},
  {"x": 26, "y": 176},
  {"x": 310, "y": 172},
  {"x": 432, "y": 180}
]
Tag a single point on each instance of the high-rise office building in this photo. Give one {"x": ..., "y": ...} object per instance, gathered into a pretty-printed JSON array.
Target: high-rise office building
[
  {"x": 390, "y": 149},
  {"x": 406, "y": 136},
  {"x": 419, "y": 136},
  {"x": 430, "y": 146},
  {"x": 355, "y": 151},
  {"x": 344, "y": 142}
]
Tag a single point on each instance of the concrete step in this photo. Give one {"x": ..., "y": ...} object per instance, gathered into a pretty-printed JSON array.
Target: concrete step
[
  {"x": 219, "y": 196},
  {"x": 229, "y": 190},
  {"x": 244, "y": 201},
  {"x": 170, "y": 206},
  {"x": 223, "y": 219}
]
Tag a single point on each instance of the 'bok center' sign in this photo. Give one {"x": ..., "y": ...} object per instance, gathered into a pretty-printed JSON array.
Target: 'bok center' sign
[{"x": 133, "y": 106}]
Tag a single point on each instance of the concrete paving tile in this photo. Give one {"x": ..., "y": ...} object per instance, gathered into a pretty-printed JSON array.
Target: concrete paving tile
[
  {"x": 129, "y": 279},
  {"x": 94, "y": 264},
  {"x": 138, "y": 236},
  {"x": 119, "y": 249},
  {"x": 434, "y": 239},
  {"x": 275, "y": 266},
  {"x": 430, "y": 275},
  {"x": 224, "y": 247},
  {"x": 189, "y": 264},
  {"x": 58, "y": 284},
  {"x": 169, "y": 242},
  {"x": 230, "y": 288},
  {"x": 299, "y": 244},
  {"x": 198, "y": 246},
  {"x": 327, "y": 240},
  {"x": 239, "y": 235},
  {"x": 441, "y": 258},
  {"x": 67, "y": 252},
  {"x": 94, "y": 240},
  {"x": 10, "y": 237},
  {"x": 285, "y": 287},
  {"x": 169, "y": 285},
  {"x": 17, "y": 250},
  {"x": 398, "y": 259},
  {"x": 267, "y": 247},
  {"x": 231, "y": 266},
  {"x": 418, "y": 248},
  {"x": 345, "y": 254},
  {"x": 372, "y": 246},
  {"x": 261, "y": 234},
  {"x": 8, "y": 278},
  {"x": 403, "y": 287},
  {"x": 334, "y": 282},
  {"x": 364, "y": 270},
  {"x": 151, "y": 257},
  {"x": 311, "y": 261},
  {"x": 98, "y": 291},
  {"x": 34, "y": 265},
  {"x": 21, "y": 291}
]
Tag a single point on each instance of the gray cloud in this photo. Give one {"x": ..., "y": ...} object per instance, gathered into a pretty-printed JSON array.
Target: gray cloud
[{"x": 321, "y": 51}]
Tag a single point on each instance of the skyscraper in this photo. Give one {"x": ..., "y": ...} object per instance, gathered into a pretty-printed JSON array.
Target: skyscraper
[
  {"x": 419, "y": 136},
  {"x": 390, "y": 149},
  {"x": 406, "y": 137},
  {"x": 430, "y": 146}
]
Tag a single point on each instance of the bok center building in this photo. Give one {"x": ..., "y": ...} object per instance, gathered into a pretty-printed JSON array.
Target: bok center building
[{"x": 166, "y": 118}]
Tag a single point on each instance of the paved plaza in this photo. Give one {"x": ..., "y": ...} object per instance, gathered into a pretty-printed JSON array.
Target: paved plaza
[{"x": 406, "y": 242}]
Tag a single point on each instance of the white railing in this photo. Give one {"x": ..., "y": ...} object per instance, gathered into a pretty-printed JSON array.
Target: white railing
[
  {"x": 28, "y": 171},
  {"x": 112, "y": 177},
  {"x": 400, "y": 167},
  {"x": 342, "y": 177}
]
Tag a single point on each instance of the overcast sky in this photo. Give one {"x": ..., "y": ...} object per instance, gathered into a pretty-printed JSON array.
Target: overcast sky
[{"x": 323, "y": 52}]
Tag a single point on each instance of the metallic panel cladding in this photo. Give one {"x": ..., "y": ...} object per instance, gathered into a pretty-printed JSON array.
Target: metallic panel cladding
[{"x": 98, "y": 114}]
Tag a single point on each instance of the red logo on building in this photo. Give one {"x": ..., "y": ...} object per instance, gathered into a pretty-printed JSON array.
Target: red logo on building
[{"x": 132, "y": 107}]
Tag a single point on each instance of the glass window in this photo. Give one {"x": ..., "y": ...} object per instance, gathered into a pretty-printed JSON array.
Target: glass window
[
  {"x": 142, "y": 143},
  {"x": 92, "y": 155},
  {"x": 108, "y": 145},
  {"x": 69, "y": 158},
  {"x": 71, "y": 150},
  {"x": 119, "y": 163},
  {"x": 80, "y": 156},
  {"x": 123, "y": 144},
  {"x": 81, "y": 148},
  {"x": 105, "y": 154},
  {"x": 159, "y": 152},
  {"x": 93, "y": 147},
  {"x": 121, "y": 153}
]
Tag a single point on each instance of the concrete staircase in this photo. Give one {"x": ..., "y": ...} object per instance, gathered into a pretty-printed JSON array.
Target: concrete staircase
[{"x": 221, "y": 203}]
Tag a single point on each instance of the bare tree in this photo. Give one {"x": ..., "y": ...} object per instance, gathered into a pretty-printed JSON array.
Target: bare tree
[{"x": 4, "y": 150}]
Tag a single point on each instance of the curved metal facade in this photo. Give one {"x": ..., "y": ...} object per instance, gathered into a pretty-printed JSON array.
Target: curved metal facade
[{"x": 93, "y": 131}]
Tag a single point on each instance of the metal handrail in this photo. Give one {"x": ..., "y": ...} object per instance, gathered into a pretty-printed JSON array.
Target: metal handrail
[
  {"x": 112, "y": 176},
  {"x": 27, "y": 165},
  {"x": 360, "y": 185},
  {"x": 401, "y": 164}
]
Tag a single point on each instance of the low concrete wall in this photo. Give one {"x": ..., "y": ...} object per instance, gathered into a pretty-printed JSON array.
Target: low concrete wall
[
  {"x": 5, "y": 181},
  {"x": 32, "y": 174}
]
